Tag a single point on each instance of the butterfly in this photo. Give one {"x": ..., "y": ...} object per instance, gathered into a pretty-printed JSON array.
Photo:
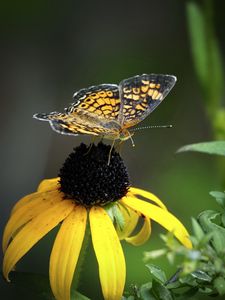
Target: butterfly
[{"x": 110, "y": 110}]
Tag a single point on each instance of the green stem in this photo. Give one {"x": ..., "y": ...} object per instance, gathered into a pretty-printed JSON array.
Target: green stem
[
  {"x": 211, "y": 100},
  {"x": 207, "y": 59},
  {"x": 208, "y": 16}
]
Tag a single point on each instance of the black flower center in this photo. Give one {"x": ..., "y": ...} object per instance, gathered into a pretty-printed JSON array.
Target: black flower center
[{"x": 87, "y": 177}]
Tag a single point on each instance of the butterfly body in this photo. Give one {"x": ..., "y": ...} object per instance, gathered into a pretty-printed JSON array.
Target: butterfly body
[{"x": 109, "y": 110}]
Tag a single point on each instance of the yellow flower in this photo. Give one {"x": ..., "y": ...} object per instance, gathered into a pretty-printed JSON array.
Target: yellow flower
[{"x": 87, "y": 190}]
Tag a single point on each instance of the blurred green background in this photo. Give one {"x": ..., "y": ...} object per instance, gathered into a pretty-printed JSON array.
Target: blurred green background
[{"x": 50, "y": 49}]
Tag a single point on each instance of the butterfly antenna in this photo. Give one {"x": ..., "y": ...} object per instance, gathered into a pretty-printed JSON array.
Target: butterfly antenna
[{"x": 152, "y": 127}]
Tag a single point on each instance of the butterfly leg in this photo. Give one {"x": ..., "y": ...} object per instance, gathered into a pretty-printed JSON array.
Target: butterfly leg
[
  {"x": 101, "y": 139},
  {"x": 93, "y": 138},
  {"x": 119, "y": 145},
  {"x": 110, "y": 152}
]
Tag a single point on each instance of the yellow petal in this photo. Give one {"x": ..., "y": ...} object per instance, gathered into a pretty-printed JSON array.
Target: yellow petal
[
  {"x": 142, "y": 236},
  {"x": 130, "y": 222},
  {"x": 40, "y": 202},
  {"x": 147, "y": 195},
  {"x": 161, "y": 216},
  {"x": 65, "y": 252},
  {"x": 33, "y": 231},
  {"x": 109, "y": 253},
  {"x": 24, "y": 201},
  {"x": 48, "y": 184}
]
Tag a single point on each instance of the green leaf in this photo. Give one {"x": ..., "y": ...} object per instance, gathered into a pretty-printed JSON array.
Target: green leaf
[
  {"x": 194, "y": 241},
  {"x": 220, "y": 197},
  {"x": 199, "y": 233},
  {"x": 173, "y": 285},
  {"x": 217, "y": 147},
  {"x": 78, "y": 296},
  {"x": 157, "y": 273},
  {"x": 189, "y": 280},
  {"x": 205, "y": 290},
  {"x": 190, "y": 293},
  {"x": 206, "y": 238},
  {"x": 219, "y": 284},
  {"x": 223, "y": 219},
  {"x": 160, "y": 291},
  {"x": 218, "y": 264},
  {"x": 218, "y": 237},
  {"x": 118, "y": 217},
  {"x": 145, "y": 291},
  {"x": 200, "y": 275},
  {"x": 115, "y": 214}
]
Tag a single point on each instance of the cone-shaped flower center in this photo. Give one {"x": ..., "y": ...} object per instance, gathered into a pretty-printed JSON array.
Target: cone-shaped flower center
[{"x": 87, "y": 178}]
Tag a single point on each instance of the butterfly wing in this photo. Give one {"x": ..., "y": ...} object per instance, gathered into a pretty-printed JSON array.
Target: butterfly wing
[
  {"x": 141, "y": 94},
  {"x": 94, "y": 111},
  {"x": 101, "y": 100}
]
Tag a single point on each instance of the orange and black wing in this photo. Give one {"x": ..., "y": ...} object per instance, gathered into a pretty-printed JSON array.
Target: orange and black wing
[
  {"x": 101, "y": 100},
  {"x": 141, "y": 94},
  {"x": 94, "y": 111},
  {"x": 82, "y": 123}
]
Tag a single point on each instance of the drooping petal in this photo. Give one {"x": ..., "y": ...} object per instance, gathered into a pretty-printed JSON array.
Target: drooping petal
[
  {"x": 109, "y": 254},
  {"x": 142, "y": 236},
  {"x": 48, "y": 185},
  {"x": 130, "y": 222},
  {"x": 33, "y": 231},
  {"x": 40, "y": 202},
  {"x": 29, "y": 198},
  {"x": 147, "y": 195},
  {"x": 65, "y": 252},
  {"x": 24, "y": 201},
  {"x": 161, "y": 216}
]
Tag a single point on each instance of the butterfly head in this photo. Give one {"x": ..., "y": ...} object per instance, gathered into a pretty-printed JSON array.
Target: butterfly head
[{"x": 125, "y": 135}]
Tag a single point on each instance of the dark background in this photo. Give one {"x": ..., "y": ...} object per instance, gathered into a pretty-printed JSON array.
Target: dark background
[{"x": 49, "y": 50}]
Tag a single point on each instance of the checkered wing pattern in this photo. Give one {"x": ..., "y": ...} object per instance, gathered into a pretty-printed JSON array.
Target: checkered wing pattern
[
  {"x": 94, "y": 111},
  {"x": 108, "y": 109},
  {"x": 140, "y": 95},
  {"x": 101, "y": 100}
]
